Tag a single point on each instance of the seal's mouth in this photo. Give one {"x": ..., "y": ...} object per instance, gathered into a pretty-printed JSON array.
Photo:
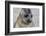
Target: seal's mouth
[{"x": 27, "y": 22}]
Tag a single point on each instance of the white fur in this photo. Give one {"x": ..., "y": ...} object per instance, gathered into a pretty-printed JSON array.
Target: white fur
[{"x": 21, "y": 18}]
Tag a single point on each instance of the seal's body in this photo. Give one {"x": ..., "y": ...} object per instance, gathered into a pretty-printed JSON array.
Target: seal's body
[{"x": 25, "y": 18}]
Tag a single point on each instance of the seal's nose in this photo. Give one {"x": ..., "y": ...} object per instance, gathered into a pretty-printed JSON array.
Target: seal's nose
[{"x": 28, "y": 20}]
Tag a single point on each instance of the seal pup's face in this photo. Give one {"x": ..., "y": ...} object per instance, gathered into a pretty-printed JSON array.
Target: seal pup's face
[{"x": 26, "y": 15}]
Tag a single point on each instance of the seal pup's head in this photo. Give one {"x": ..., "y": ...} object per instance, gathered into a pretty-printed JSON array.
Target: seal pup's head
[{"x": 26, "y": 15}]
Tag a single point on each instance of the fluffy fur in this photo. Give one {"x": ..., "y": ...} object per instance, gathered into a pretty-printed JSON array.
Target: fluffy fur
[{"x": 25, "y": 18}]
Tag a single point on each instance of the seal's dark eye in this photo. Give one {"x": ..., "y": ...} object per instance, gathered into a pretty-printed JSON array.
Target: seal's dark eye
[
  {"x": 31, "y": 15},
  {"x": 25, "y": 15}
]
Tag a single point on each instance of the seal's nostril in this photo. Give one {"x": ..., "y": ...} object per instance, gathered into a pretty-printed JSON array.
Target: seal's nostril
[{"x": 28, "y": 20}]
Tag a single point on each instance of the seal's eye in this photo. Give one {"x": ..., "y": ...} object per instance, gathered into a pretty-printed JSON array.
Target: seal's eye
[
  {"x": 31, "y": 15},
  {"x": 25, "y": 15}
]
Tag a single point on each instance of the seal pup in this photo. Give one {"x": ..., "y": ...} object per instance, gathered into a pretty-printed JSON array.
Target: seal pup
[{"x": 24, "y": 19}]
